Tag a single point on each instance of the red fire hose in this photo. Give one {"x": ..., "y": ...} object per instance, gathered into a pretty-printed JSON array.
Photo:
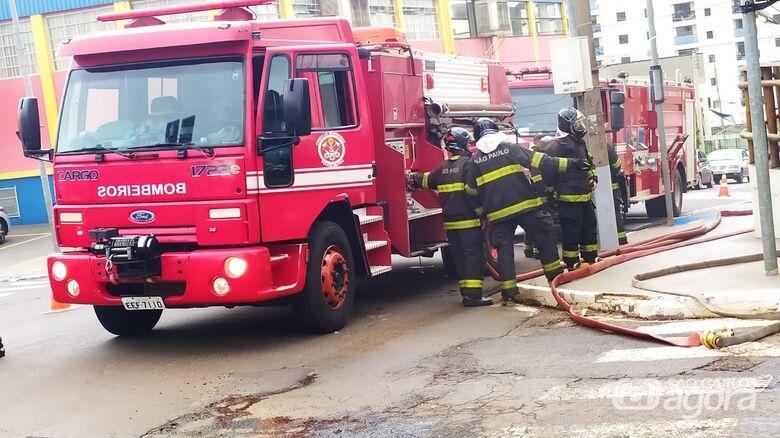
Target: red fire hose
[{"x": 625, "y": 253}]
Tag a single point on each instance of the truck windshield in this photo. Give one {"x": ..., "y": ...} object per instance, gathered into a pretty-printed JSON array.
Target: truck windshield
[
  {"x": 537, "y": 109},
  {"x": 154, "y": 105}
]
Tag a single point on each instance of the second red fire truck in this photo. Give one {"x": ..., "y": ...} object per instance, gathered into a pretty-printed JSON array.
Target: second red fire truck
[{"x": 636, "y": 143}]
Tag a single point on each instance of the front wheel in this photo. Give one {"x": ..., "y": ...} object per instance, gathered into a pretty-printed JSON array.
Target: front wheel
[
  {"x": 121, "y": 322},
  {"x": 656, "y": 207},
  {"x": 740, "y": 177},
  {"x": 325, "y": 303}
]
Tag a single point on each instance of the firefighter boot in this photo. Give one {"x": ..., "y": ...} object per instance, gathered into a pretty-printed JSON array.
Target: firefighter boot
[{"x": 477, "y": 301}]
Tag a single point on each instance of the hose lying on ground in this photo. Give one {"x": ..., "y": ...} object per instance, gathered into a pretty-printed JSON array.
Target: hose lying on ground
[
  {"x": 639, "y": 282},
  {"x": 648, "y": 247}
]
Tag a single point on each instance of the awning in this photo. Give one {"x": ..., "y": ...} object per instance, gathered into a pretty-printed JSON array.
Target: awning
[{"x": 722, "y": 115}]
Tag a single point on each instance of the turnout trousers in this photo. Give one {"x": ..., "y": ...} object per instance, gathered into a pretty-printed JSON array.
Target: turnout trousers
[
  {"x": 538, "y": 225},
  {"x": 469, "y": 258},
  {"x": 578, "y": 223}
]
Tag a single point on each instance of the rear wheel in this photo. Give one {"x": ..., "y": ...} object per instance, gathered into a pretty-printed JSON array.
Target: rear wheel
[
  {"x": 657, "y": 207},
  {"x": 121, "y": 322},
  {"x": 740, "y": 177},
  {"x": 325, "y": 303},
  {"x": 711, "y": 182}
]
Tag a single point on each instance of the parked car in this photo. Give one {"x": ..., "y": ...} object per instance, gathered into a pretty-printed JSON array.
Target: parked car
[
  {"x": 705, "y": 171},
  {"x": 5, "y": 224},
  {"x": 730, "y": 162}
]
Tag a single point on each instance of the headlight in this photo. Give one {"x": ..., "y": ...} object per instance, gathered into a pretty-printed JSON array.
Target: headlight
[
  {"x": 71, "y": 218},
  {"x": 221, "y": 286},
  {"x": 59, "y": 271},
  {"x": 235, "y": 267},
  {"x": 73, "y": 288}
]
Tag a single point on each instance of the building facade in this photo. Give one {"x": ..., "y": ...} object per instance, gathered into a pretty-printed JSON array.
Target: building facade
[
  {"x": 515, "y": 32},
  {"x": 712, "y": 29}
]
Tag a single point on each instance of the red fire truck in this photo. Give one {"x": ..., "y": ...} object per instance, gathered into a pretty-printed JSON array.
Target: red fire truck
[
  {"x": 238, "y": 162},
  {"x": 636, "y": 140}
]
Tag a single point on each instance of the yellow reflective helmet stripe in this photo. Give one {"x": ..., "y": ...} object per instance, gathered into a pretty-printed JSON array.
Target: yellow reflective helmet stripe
[
  {"x": 499, "y": 173},
  {"x": 462, "y": 225}
]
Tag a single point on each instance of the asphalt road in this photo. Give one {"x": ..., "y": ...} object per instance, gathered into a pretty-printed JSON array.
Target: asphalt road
[{"x": 412, "y": 363}]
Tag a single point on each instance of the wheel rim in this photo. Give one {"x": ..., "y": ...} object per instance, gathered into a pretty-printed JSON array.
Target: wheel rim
[
  {"x": 334, "y": 274},
  {"x": 678, "y": 193}
]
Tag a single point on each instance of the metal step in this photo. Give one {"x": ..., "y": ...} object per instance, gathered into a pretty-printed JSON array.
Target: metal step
[
  {"x": 424, "y": 213},
  {"x": 369, "y": 219},
  {"x": 374, "y": 244},
  {"x": 376, "y": 270}
]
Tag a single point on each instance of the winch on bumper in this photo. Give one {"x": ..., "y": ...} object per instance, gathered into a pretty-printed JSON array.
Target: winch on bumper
[{"x": 121, "y": 266}]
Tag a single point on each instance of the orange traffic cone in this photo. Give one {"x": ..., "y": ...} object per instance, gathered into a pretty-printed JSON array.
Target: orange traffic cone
[
  {"x": 724, "y": 187},
  {"x": 56, "y": 306}
]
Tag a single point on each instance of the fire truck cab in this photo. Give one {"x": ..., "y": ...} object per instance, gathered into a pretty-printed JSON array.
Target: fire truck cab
[
  {"x": 239, "y": 162},
  {"x": 636, "y": 141}
]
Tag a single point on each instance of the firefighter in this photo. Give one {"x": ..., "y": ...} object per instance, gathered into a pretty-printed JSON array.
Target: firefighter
[
  {"x": 545, "y": 191},
  {"x": 496, "y": 181},
  {"x": 619, "y": 192},
  {"x": 574, "y": 190},
  {"x": 461, "y": 221}
]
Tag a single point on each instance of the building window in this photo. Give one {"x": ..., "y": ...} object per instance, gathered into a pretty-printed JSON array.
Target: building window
[
  {"x": 740, "y": 51},
  {"x": 621, "y": 16},
  {"x": 71, "y": 24},
  {"x": 713, "y": 81},
  {"x": 625, "y": 60},
  {"x": 548, "y": 19},
  {"x": 685, "y": 52},
  {"x": 9, "y": 62},
  {"x": 266, "y": 12},
  {"x": 682, "y": 12},
  {"x": 709, "y": 35},
  {"x": 315, "y": 8},
  {"x": 462, "y": 14},
  {"x": 372, "y": 13},
  {"x": 776, "y": 18},
  {"x": 420, "y": 17},
  {"x": 711, "y": 58},
  {"x": 738, "y": 24},
  {"x": 707, "y": 12},
  {"x": 716, "y": 104},
  {"x": 9, "y": 201},
  {"x": 777, "y": 42},
  {"x": 178, "y": 18},
  {"x": 623, "y": 39},
  {"x": 518, "y": 17}
]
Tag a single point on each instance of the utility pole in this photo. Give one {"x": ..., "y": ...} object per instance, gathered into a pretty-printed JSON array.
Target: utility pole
[
  {"x": 758, "y": 125},
  {"x": 21, "y": 57},
  {"x": 657, "y": 79},
  {"x": 720, "y": 106},
  {"x": 589, "y": 103}
]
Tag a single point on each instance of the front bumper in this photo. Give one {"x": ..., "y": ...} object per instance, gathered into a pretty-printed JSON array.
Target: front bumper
[{"x": 187, "y": 277}]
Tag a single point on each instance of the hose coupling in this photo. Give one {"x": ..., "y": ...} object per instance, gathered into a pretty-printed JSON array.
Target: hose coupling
[{"x": 710, "y": 338}]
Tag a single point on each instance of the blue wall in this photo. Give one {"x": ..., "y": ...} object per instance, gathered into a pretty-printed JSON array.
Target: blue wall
[
  {"x": 32, "y": 208},
  {"x": 31, "y": 7}
]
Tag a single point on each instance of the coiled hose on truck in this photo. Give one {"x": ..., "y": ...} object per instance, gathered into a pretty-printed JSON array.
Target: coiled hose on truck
[{"x": 666, "y": 242}]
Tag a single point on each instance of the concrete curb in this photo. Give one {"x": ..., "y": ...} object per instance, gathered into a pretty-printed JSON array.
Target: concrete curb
[
  {"x": 643, "y": 306},
  {"x": 23, "y": 277}
]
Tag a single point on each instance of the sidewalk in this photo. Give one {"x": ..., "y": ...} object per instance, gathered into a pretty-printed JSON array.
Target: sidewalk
[
  {"x": 23, "y": 255},
  {"x": 740, "y": 290}
]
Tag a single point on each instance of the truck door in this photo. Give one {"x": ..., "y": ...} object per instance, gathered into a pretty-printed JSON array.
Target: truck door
[{"x": 295, "y": 183}]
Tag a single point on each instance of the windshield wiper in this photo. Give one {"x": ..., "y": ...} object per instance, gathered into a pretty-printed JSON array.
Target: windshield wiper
[
  {"x": 101, "y": 150},
  {"x": 182, "y": 148}
]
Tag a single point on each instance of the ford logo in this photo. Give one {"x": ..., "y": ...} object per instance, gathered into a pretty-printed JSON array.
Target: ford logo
[{"x": 142, "y": 216}]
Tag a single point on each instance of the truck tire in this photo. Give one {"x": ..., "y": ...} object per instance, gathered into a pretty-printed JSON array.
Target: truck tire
[
  {"x": 325, "y": 303},
  {"x": 656, "y": 207},
  {"x": 121, "y": 322}
]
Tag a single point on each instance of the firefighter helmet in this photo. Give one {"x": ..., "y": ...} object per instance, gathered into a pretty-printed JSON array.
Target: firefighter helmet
[
  {"x": 484, "y": 126},
  {"x": 572, "y": 122},
  {"x": 457, "y": 140}
]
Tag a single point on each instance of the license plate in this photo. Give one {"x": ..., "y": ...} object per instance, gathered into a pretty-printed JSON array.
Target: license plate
[{"x": 143, "y": 303}]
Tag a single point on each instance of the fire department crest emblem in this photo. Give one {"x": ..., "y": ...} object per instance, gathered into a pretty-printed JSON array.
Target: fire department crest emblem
[{"x": 331, "y": 148}]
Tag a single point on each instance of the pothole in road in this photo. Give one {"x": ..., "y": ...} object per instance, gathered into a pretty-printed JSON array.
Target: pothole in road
[{"x": 733, "y": 364}]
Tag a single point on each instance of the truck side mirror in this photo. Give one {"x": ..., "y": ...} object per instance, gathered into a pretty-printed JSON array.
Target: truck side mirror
[
  {"x": 296, "y": 106},
  {"x": 29, "y": 132},
  {"x": 617, "y": 115}
]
